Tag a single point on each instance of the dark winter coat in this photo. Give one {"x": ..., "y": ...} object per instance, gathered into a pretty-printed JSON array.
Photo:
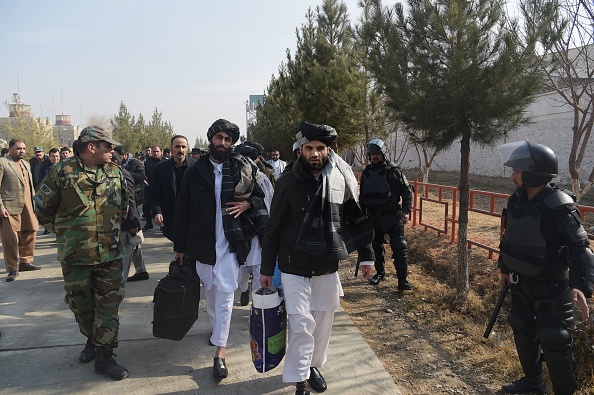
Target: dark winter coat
[
  {"x": 292, "y": 196},
  {"x": 164, "y": 193},
  {"x": 194, "y": 231}
]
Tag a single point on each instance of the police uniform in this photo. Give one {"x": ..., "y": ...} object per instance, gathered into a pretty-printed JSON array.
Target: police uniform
[
  {"x": 545, "y": 253},
  {"x": 383, "y": 187}
]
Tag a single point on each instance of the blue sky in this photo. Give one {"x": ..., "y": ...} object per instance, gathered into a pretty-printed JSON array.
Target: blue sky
[{"x": 195, "y": 61}]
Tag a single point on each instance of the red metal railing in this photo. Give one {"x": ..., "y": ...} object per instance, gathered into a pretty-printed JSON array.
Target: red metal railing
[{"x": 448, "y": 197}]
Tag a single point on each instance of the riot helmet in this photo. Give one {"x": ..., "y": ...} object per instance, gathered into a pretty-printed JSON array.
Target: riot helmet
[
  {"x": 538, "y": 162},
  {"x": 377, "y": 145}
]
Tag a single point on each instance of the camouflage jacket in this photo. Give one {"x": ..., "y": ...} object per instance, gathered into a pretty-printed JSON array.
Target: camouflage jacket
[{"x": 85, "y": 207}]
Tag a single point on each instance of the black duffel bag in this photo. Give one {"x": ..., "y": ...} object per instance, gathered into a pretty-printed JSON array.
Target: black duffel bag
[{"x": 176, "y": 301}]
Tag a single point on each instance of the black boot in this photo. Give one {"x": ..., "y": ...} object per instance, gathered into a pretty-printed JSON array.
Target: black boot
[
  {"x": 377, "y": 278},
  {"x": 525, "y": 386},
  {"x": 106, "y": 365},
  {"x": 401, "y": 265},
  {"x": 88, "y": 353}
]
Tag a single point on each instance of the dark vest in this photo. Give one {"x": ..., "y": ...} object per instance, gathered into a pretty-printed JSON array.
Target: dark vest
[
  {"x": 375, "y": 191},
  {"x": 524, "y": 249}
]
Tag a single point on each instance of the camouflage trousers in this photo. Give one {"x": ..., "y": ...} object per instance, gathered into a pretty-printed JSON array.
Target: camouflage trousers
[{"x": 94, "y": 293}]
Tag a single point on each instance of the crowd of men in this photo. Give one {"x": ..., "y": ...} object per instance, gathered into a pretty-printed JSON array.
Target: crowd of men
[{"x": 235, "y": 215}]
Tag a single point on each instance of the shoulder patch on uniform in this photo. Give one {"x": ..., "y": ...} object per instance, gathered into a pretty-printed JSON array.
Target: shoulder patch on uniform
[{"x": 43, "y": 188}]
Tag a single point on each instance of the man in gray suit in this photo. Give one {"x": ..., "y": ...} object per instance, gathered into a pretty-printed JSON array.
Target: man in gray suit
[{"x": 18, "y": 224}]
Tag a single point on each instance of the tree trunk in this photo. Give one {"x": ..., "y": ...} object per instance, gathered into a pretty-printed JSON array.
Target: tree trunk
[{"x": 464, "y": 187}]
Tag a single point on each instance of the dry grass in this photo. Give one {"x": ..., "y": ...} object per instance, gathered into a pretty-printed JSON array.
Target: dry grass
[{"x": 428, "y": 342}]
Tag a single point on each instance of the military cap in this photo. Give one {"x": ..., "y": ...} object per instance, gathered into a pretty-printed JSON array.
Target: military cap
[
  {"x": 38, "y": 149},
  {"x": 96, "y": 133},
  {"x": 196, "y": 150}
]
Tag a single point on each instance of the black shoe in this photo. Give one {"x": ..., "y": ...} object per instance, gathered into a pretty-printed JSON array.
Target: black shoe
[
  {"x": 375, "y": 280},
  {"x": 219, "y": 369},
  {"x": 404, "y": 286},
  {"x": 11, "y": 276},
  {"x": 316, "y": 381},
  {"x": 302, "y": 388},
  {"x": 106, "y": 365},
  {"x": 525, "y": 386},
  {"x": 88, "y": 353},
  {"x": 139, "y": 277},
  {"x": 148, "y": 226},
  {"x": 27, "y": 267},
  {"x": 244, "y": 299},
  {"x": 46, "y": 232}
]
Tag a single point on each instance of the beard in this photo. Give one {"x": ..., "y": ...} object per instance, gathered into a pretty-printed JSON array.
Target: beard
[
  {"x": 219, "y": 153},
  {"x": 314, "y": 167}
]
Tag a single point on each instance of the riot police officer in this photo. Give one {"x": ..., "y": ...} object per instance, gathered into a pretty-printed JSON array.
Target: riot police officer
[
  {"x": 386, "y": 198},
  {"x": 545, "y": 257}
]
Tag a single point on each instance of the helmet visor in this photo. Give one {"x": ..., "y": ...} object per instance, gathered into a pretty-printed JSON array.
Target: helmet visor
[{"x": 516, "y": 155}]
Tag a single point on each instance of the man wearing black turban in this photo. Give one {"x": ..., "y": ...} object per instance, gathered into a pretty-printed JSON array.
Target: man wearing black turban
[
  {"x": 312, "y": 208},
  {"x": 220, "y": 214}
]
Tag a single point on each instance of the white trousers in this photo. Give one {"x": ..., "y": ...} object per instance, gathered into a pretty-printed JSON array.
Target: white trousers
[
  {"x": 219, "y": 306},
  {"x": 133, "y": 255},
  {"x": 310, "y": 304},
  {"x": 243, "y": 277}
]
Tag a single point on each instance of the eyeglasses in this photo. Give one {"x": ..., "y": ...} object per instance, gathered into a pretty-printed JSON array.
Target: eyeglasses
[{"x": 154, "y": 152}]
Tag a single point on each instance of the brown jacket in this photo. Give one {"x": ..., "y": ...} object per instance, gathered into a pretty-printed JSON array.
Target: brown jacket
[{"x": 12, "y": 184}]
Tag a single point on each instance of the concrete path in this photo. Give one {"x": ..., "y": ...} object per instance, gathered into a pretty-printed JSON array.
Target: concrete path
[{"x": 40, "y": 343}]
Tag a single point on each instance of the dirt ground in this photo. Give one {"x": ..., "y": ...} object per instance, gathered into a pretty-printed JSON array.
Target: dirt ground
[
  {"x": 426, "y": 348},
  {"x": 429, "y": 343}
]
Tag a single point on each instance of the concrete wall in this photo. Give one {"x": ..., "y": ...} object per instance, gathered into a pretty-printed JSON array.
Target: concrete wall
[{"x": 550, "y": 125}]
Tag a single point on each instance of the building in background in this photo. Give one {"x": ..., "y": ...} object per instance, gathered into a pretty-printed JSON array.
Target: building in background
[
  {"x": 65, "y": 131},
  {"x": 19, "y": 118},
  {"x": 251, "y": 109}
]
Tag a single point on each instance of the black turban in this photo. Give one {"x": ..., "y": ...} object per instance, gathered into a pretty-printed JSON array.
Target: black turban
[
  {"x": 255, "y": 145},
  {"x": 310, "y": 131},
  {"x": 222, "y": 125},
  {"x": 247, "y": 151}
]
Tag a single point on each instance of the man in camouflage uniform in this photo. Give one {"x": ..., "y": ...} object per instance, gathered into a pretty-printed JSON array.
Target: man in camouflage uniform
[{"x": 83, "y": 200}]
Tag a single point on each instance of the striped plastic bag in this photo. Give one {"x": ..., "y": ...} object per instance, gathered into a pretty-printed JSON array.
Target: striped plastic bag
[{"x": 268, "y": 329}]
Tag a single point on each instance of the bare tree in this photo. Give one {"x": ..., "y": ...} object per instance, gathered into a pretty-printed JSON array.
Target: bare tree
[
  {"x": 99, "y": 120},
  {"x": 569, "y": 70}
]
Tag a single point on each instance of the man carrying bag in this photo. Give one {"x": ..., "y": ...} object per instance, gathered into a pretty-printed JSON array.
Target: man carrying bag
[{"x": 176, "y": 302}]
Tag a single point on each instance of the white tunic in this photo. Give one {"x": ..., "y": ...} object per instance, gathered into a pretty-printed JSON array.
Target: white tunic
[{"x": 224, "y": 272}]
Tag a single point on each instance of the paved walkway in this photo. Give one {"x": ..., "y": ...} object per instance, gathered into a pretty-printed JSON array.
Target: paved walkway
[{"x": 40, "y": 343}]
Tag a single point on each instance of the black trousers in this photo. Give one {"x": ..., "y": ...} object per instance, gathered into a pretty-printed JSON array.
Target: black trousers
[
  {"x": 399, "y": 250},
  {"x": 541, "y": 318}
]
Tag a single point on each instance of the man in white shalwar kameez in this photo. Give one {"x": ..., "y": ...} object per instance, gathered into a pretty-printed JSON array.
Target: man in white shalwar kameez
[
  {"x": 307, "y": 231},
  {"x": 219, "y": 192},
  {"x": 252, "y": 265}
]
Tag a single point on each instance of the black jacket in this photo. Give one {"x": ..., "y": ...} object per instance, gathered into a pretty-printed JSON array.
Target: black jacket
[
  {"x": 292, "y": 195},
  {"x": 42, "y": 165},
  {"x": 150, "y": 164},
  {"x": 194, "y": 231},
  {"x": 136, "y": 169},
  {"x": 164, "y": 193},
  {"x": 132, "y": 219}
]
